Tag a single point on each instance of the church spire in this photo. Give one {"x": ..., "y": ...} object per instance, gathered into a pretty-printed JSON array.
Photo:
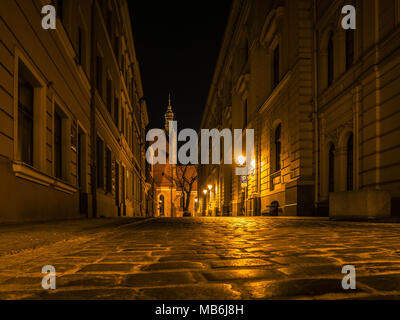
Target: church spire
[{"x": 169, "y": 115}]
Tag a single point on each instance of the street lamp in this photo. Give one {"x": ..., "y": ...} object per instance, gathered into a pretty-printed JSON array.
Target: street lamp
[
  {"x": 209, "y": 187},
  {"x": 241, "y": 160},
  {"x": 205, "y": 191}
]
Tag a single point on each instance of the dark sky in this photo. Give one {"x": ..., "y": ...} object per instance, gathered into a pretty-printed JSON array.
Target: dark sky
[{"x": 177, "y": 44}]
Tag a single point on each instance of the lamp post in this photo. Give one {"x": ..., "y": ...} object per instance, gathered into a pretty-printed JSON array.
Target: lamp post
[
  {"x": 240, "y": 161},
  {"x": 205, "y": 201},
  {"x": 209, "y": 197}
]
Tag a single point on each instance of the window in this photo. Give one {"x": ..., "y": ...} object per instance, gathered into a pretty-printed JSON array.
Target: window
[
  {"x": 330, "y": 59},
  {"x": 109, "y": 23},
  {"x": 123, "y": 120},
  {"x": 100, "y": 163},
  {"x": 80, "y": 51},
  {"x": 109, "y": 95},
  {"x": 99, "y": 75},
  {"x": 331, "y": 168},
  {"x": 349, "y": 48},
  {"x": 350, "y": 163},
  {"x": 276, "y": 72},
  {"x": 123, "y": 184},
  {"x": 25, "y": 117},
  {"x": 116, "y": 111},
  {"x": 108, "y": 171},
  {"x": 60, "y": 9},
  {"x": 278, "y": 147},
  {"x": 116, "y": 47},
  {"x": 58, "y": 146}
]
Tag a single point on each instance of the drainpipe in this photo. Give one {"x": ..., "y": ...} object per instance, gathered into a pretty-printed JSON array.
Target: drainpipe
[
  {"x": 93, "y": 166},
  {"x": 315, "y": 113}
]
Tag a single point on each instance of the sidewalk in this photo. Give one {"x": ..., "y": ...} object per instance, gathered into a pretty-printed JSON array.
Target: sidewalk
[{"x": 15, "y": 238}]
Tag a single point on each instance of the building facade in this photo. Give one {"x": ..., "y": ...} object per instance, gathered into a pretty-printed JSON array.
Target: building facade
[
  {"x": 72, "y": 112},
  {"x": 169, "y": 180},
  {"x": 324, "y": 103}
]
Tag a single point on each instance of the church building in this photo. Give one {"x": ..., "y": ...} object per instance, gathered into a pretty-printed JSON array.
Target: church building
[{"x": 167, "y": 177}]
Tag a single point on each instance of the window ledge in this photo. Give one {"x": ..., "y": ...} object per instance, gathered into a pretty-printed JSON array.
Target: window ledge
[{"x": 28, "y": 173}]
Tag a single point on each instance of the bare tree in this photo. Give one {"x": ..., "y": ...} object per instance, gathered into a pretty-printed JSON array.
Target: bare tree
[{"x": 183, "y": 177}]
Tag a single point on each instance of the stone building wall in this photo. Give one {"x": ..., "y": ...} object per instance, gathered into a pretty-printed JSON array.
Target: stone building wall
[
  {"x": 356, "y": 104},
  {"x": 60, "y": 67}
]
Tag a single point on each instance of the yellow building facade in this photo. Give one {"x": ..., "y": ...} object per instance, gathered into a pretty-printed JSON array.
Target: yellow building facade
[
  {"x": 324, "y": 103},
  {"x": 72, "y": 113}
]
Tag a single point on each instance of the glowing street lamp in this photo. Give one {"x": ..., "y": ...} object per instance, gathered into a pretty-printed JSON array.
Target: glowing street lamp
[
  {"x": 209, "y": 187},
  {"x": 241, "y": 160},
  {"x": 205, "y": 191}
]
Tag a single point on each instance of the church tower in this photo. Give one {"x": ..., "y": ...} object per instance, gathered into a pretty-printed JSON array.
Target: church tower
[{"x": 169, "y": 115}]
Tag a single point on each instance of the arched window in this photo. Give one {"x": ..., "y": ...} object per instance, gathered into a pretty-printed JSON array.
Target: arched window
[
  {"x": 331, "y": 169},
  {"x": 278, "y": 147},
  {"x": 349, "y": 48},
  {"x": 350, "y": 163},
  {"x": 161, "y": 205},
  {"x": 330, "y": 59}
]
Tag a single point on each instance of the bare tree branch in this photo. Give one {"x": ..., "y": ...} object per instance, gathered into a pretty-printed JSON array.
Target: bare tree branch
[{"x": 184, "y": 180}]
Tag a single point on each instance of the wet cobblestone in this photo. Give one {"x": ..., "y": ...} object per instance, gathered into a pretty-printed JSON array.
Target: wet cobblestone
[{"x": 203, "y": 258}]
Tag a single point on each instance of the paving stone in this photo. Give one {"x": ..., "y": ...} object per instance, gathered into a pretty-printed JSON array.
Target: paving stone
[
  {"x": 243, "y": 275},
  {"x": 309, "y": 271},
  {"x": 129, "y": 259},
  {"x": 265, "y": 258},
  {"x": 295, "y": 288},
  {"x": 79, "y": 281},
  {"x": 302, "y": 260},
  {"x": 195, "y": 257},
  {"x": 108, "y": 267},
  {"x": 173, "y": 265},
  {"x": 21, "y": 283},
  {"x": 157, "y": 279},
  {"x": 94, "y": 294},
  {"x": 387, "y": 282},
  {"x": 239, "y": 263},
  {"x": 193, "y": 292}
]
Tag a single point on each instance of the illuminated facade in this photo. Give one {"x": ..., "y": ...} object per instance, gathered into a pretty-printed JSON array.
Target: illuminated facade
[
  {"x": 72, "y": 113},
  {"x": 168, "y": 195},
  {"x": 324, "y": 104}
]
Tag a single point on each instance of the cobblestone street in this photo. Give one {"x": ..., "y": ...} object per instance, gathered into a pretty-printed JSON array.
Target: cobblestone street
[{"x": 201, "y": 258}]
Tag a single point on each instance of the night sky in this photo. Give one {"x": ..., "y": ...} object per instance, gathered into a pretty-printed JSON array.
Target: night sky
[{"x": 177, "y": 44}]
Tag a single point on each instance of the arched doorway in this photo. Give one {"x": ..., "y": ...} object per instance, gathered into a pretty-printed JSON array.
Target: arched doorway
[{"x": 161, "y": 206}]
